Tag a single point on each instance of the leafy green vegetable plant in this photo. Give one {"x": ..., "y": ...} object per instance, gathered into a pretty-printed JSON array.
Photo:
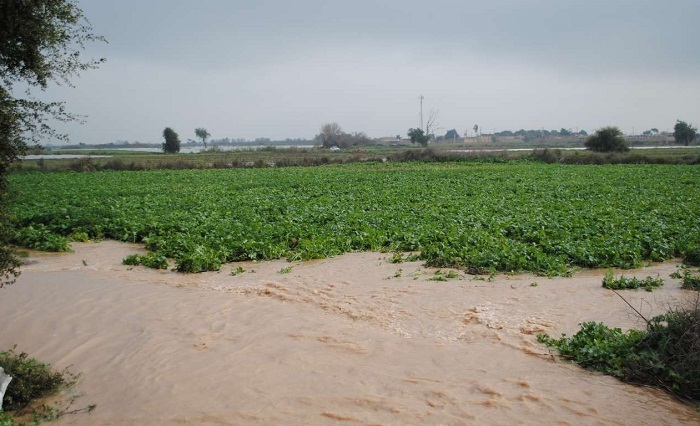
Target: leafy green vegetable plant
[
  {"x": 689, "y": 280},
  {"x": 480, "y": 218},
  {"x": 624, "y": 283}
]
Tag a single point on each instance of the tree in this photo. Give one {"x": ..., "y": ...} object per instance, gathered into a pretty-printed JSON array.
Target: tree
[
  {"x": 41, "y": 42},
  {"x": 418, "y": 136},
  {"x": 430, "y": 124},
  {"x": 202, "y": 133},
  {"x": 172, "y": 141},
  {"x": 330, "y": 135},
  {"x": 451, "y": 134},
  {"x": 684, "y": 133},
  {"x": 476, "y": 130},
  {"x": 607, "y": 139}
]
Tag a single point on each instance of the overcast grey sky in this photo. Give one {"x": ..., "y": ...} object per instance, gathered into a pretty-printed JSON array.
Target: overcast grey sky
[{"x": 280, "y": 69}]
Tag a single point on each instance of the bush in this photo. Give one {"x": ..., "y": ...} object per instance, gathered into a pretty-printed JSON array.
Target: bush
[
  {"x": 607, "y": 139},
  {"x": 31, "y": 380},
  {"x": 666, "y": 354},
  {"x": 84, "y": 164}
]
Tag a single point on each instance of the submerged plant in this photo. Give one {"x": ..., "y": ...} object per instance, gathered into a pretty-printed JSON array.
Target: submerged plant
[
  {"x": 443, "y": 276},
  {"x": 689, "y": 280},
  {"x": 624, "y": 283}
]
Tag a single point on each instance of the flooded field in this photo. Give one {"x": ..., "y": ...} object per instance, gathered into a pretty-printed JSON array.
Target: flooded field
[{"x": 352, "y": 340}]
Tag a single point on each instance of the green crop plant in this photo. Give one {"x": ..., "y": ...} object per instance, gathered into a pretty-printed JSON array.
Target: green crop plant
[
  {"x": 689, "y": 280},
  {"x": 623, "y": 283},
  {"x": 481, "y": 218},
  {"x": 237, "y": 271}
]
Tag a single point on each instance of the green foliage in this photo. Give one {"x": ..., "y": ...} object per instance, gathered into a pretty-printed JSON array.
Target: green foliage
[
  {"x": 439, "y": 275},
  {"x": 9, "y": 262},
  {"x": 624, "y": 283},
  {"x": 607, "y": 139},
  {"x": 40, "y": 43},
  {"x": 285, "y": 270},
  {"x": 689, "y": 280},
  {"x": 40, "y": 237},
  {"x": 418, "y": 136},
  {"x": 237, "y": 271},
  {"x": 31, "y": 379},
  {"x": 684, "y": 133},
  {"x": 691, "y": 254},
  {"x": 172, "y": 141},
  {"x": 666, "y": 354},
  {"x": 150, "y": 260},
  {"x": 199, "y": 259},
  {"x": 399, "y": 258},
  {"x": 596, "y": 346},
  {"x": 478, "y": 217}
]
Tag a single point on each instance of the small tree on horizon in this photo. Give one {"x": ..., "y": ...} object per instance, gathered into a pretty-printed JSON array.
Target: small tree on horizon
[
  {"x": 203, "y": 134},
  {"x": 418, "y": 136},
  {"x": 172, "y": 141},
  {"x": 684, "y": 133},
  {"x": 330, "y": 135},
  {"x": 607, "y": 139}
]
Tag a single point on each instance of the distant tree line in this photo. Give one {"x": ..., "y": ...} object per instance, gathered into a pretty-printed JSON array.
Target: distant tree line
[{"x": 530, "y": 135}]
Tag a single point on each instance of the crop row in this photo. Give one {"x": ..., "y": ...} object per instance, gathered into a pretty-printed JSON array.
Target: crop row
[{"x": 509, "y": 217}]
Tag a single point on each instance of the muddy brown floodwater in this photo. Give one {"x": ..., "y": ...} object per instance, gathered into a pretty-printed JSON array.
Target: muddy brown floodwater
[{"x": 335, "y": 341}]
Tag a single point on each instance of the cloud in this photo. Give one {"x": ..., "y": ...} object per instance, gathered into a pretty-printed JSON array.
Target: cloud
[{"x": 280, "y": 69}]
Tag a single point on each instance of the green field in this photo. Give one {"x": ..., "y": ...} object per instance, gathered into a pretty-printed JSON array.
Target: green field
[{"x": 481, "y": 217}]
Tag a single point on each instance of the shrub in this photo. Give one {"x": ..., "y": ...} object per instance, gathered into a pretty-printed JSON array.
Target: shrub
[
  {"x": 666, "y": 354},
  {"x": 31, "y": 379},
  {"x": 607, "y": 139},
  {"x": 84, "y": 164}
]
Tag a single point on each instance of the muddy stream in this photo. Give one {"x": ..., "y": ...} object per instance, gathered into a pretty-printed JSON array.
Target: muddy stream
[{"x": 349, "y": 340}]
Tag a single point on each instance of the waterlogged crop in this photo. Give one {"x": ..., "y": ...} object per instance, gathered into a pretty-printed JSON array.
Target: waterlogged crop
[
  {"x": 624, "y": 283},
  {"x": 151, "y": 260},
  {"x": 689, "y": 280},
  {"x": 440, "y": 275},
  {"x": 480, "y": 218}
]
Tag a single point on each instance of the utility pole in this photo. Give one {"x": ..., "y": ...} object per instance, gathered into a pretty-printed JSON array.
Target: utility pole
[{"x": 421, "y": 112}]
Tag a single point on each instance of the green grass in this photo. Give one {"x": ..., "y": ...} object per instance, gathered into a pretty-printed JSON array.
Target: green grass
[{"x": 479, "y": 217}]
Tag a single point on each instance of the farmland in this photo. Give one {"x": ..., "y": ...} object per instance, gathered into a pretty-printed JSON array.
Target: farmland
[{"x": 480, "y": 217}]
